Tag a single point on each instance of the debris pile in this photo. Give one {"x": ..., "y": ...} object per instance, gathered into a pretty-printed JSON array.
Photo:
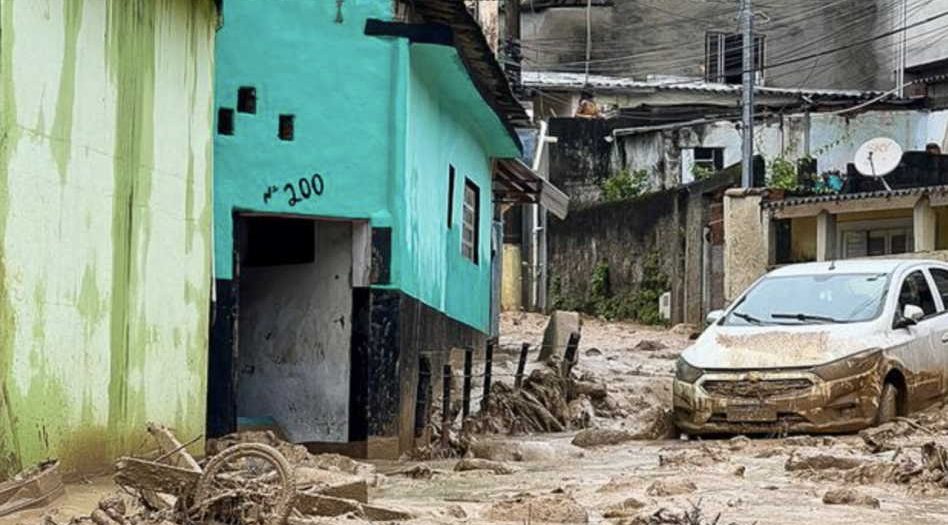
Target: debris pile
[
  {"x": 248, "y": 478},
  {"x": 541, "y": 405},
  {"x": 545, "y": 508},
  {"x": 693, "y": 516},
  {"x": 849, "y": 496}
]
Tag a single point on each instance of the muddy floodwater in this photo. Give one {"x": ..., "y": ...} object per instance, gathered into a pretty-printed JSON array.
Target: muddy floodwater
[{"x": 894, "y": 474}]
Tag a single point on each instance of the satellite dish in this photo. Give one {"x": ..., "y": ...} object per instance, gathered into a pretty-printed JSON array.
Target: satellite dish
[{"x": 878, "y": 157}]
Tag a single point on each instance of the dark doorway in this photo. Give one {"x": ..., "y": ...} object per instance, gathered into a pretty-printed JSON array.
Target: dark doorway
[{"x": 288, "y": 330}]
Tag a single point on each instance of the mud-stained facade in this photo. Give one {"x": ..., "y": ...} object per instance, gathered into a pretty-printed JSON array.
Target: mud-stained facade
[{"x": 105, "y": 224}]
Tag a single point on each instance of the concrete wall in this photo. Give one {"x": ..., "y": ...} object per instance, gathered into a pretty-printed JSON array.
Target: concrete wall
[
  {"x": 746, "y": 248},
  {"x": 105, "y": 232},
  {"x": 295, "y": 328},
  {"x": 622, "y": 235},
  {"x": 638, "y": 38}
]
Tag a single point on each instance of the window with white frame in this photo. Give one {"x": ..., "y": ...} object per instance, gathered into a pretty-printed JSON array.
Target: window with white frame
[
  {"x": 876, "y": 238},
  {"x": 470, "y": 235}
]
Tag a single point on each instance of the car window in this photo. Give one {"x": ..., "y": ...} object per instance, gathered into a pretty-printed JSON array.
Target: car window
[
  {"x": 941, "y": 283},
  {"x": 811, "y": 299},
  {"x": 915, "y": 291}
]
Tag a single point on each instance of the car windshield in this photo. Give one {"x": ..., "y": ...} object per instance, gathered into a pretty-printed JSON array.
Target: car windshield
[{"x": 811, "y": 299}]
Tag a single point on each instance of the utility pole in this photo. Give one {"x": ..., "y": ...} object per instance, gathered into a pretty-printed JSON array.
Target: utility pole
[
  {"x": 747, "y": 161},
  {"x": 903, "y": 52}
]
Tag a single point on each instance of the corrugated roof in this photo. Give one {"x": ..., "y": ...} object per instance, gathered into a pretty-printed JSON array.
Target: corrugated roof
[
  {"x": 842, "y": 197},
  {"x": 554, "y": 80}
]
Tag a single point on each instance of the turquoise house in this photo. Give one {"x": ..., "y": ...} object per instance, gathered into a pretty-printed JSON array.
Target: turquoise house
[{"x": 362, "y": 149}]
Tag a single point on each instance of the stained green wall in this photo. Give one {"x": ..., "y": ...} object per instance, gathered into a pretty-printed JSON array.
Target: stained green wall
[
  {"x": 380, "y": 119},
  {"x": 105, "y": 224}
]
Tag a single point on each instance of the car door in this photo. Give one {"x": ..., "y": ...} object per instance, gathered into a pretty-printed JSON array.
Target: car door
[
  {"x": 939, "y": 277},
  {"x": 919, "y": 354}
]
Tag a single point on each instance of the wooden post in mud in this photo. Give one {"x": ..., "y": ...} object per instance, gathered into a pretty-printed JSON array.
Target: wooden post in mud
[
  {"x": 569, "y": 356},
  {"x": 521, "y": 365},
  {"x": 468, "y": 365},
  {"x": 446, "y": 407},
  {"x": 488, "y": 365}
]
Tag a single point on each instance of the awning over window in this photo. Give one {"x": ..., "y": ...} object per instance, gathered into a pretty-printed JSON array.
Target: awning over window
[{"x": 516, "y": 183}]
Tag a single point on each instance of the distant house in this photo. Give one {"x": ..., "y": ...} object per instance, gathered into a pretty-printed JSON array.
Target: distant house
[
  {"x": 360, "y": 150},
  {"x": 105, "y": 225},
  {"x": 658, "y": 101}
]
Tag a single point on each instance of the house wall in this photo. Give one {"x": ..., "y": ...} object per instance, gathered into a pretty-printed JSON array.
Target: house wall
[
  {"x": 833, "y": 140},
  {"x": 315, "y": 69},
  {"x": 444, "y": 130},
  {"x": 296, "y": 324},
  {"x": 657, "y": 37},
  {"x": 105, "y": 232},
  {"x": 383, "y": 159},
  {"x": 380, "y": 119}
]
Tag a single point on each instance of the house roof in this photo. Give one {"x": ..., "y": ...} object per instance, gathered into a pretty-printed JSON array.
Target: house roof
[
  {"x": 477, "y": 55},
  {"x": 578, "y": 81},
  {"x": 844, "y": 197}
]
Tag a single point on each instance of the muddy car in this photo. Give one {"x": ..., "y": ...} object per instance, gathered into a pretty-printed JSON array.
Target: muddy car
[{"x": 819, "y": 347}]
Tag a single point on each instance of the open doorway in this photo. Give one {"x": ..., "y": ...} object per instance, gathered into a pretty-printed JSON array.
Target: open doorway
[{"x": 291, "y": 364}]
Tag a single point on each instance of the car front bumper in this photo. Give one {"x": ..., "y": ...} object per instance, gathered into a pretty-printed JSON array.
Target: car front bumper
[{"x": 764, "y": 402}]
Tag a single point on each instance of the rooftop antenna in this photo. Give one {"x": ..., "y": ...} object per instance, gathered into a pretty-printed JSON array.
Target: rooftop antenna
[{"x": 877, "y": 158}]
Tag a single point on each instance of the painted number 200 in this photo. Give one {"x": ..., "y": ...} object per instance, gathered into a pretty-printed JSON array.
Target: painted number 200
[{"x": 307, "y": 188}]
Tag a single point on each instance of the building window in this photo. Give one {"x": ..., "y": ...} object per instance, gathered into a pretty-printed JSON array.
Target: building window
[
  {"x": 868, "y": 240},
  {"x": 247, "y": 99},
  {"x": 725, "y": 57},
  {"x": 286, "y": 128},
  {"x": 710, "y": 159},
  {"x": 450, "y": 196},
  {"x": 470, "y": 235}
]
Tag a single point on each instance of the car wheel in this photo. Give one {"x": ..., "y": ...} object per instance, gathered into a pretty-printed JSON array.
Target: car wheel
[{"x": 888, "y": 404}]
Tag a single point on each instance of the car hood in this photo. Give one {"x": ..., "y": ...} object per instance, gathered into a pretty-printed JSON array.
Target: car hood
[{"x": 749, "y": 347}]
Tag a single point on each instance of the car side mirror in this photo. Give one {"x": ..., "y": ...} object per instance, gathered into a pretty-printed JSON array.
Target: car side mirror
[
  {"x": 910, "y": 315},
  {"x": 714, "y": 316},
  {"x": 913, "y": 312}
]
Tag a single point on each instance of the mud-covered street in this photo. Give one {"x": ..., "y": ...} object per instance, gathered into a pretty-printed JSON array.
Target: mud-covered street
[{"x": 891, "y": 474}]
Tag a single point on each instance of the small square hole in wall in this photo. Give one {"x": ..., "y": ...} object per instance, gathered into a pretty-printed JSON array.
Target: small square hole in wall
[
  {"x": 247, "y": 99},
  {"x": 286, "y": 127},
  {"x": 225, "y": 121}
]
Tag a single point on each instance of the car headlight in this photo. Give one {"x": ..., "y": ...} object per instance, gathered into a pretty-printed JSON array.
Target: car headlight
[
  {"x": 853, "y": 365},
  {"x": 687, "y": 373}
]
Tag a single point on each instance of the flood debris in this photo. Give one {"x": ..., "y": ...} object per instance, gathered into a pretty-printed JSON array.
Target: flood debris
[
  {"x": 663, "y": 516},
  {"x": 849, "y": 496},
  {"x": 246, "y": 479},
  {"x": 628, "y": 507},
  {"x": 545, "y": 508},
  {"x": 649, "y": 345},
  {"x": 703, "y": 455},
  {"x": 34, "y": 487},
  {"x": 822, "y": 461},
  {"x": 469, "y": 464},
  {"x": 671, "y": 487}
]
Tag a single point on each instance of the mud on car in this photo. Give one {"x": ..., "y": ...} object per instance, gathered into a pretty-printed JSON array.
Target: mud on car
[{"x": 819, "y": 347}]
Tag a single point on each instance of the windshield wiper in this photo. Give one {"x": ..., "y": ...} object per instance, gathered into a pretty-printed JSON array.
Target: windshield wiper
[
  {"x": 747, "y": 317},
  {"x": 806, "y": 317}
]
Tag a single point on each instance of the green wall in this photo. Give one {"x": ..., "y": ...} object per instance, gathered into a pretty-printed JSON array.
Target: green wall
[
  {"x": 378, "y": 118},
  {"x": 105, "y": 225}
]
